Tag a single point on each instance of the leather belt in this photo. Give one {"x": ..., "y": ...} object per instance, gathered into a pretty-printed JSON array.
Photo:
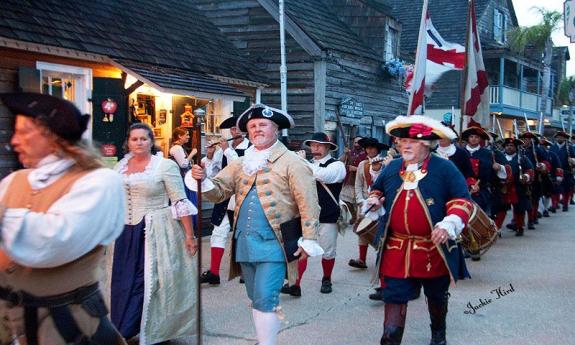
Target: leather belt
[{"x": 21, "y": 298}]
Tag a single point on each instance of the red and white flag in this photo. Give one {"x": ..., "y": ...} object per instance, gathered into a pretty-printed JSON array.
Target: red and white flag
[
  {"x": 442, "y": 56},
  {"x": 476, "y": 101},
  {"x": 418, "y": 82}
]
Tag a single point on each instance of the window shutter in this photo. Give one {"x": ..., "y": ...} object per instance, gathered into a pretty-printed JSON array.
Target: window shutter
[
  {"x": 505, "y": 27},
  {"x": 29, "y": 79}
]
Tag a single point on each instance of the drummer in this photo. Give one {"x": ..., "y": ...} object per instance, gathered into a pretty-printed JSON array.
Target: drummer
[{"x": 408, "y": 188}]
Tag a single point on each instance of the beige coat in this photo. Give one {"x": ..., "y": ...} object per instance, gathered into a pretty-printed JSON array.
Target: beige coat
[
  {"x": 286, "y": 189},
  {"x": 361, "y": 187}
]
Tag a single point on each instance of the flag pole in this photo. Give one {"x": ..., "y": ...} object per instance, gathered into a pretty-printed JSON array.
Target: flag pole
[
  {"x": 197, "y": 129},
  {"x": 422, "y": 37},
  {"x": 466, "y": 68}
]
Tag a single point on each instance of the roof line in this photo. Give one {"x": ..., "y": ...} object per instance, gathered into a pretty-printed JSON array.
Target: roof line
[
  {"x": 301, "y": 37},
  {"x": 238, "y": 81},
  {"x": 198, "y": 94},
  {"x": 51, "y": 50}
]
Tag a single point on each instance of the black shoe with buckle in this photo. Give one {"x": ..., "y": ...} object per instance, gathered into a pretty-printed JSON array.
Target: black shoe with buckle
[
  {"x": 293, "y": 290},
  {"x": 210, "y": 278},
  {"x": 357, "y": 263},
  {"x": 552, "y": 209},
  {"x": 325, "y": 285},
  {"x": 377, "y": 295},
  {"x": 511, "y": 227}
]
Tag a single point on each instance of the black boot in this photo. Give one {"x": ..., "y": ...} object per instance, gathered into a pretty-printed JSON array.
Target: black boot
[
  {"x": 393, "y": 324},
  {"x": 437, "y": 314}
]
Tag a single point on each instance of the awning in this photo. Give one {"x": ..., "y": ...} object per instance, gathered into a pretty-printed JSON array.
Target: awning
[{"x": 178, "y": 81}]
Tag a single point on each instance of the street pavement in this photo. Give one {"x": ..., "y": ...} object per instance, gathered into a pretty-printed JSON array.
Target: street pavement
[{"x": 537, "y": 267}]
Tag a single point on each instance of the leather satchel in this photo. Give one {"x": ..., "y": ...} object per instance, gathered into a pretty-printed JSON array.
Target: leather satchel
[{"x": 291, "y": 232}]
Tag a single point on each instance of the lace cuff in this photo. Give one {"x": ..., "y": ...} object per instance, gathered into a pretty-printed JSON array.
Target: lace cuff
[
  {"x": 183, "y": 208},
  {"x": 311, "y": 247},
  {"x": 452, "y": 224}
]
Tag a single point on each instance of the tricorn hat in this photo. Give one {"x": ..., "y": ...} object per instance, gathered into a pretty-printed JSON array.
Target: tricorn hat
[
  {"x": 321, "y": 138},
  {"x": 562, "y": 134},
  {"x": 229, "y": 122},
  {"x": 513, "y": 141},
  {"x": 61, "y": 116},
  {"x": 372, "y": 142},
  {"x": 477, "y": 131},
  {"x": 418, "y": 127},
  {"x": 262, "y": 111},
  {"x": 544, "y": 141},
  {"x": 529, "y": 135}
]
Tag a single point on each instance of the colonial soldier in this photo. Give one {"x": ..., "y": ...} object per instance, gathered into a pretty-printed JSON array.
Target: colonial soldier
[
  {"x": 433, "y": 195},
  {"x": 555, "y": 176},
  {"x": 566, "y": 155},
  {"x": 56, "y": 217},
  {"x": 223, "y": 211},
  {"x": 329, "y": 174},
  {"x": 485, "y": 167},
  {"x": 367, "y": 172},
  {"x": 518, "y": 192},
  {"x": 351, "y": 158},
  {"x": 458, "y": 156},
  {"x": 542, "y": 169},
  {"x": 274, "y": 189}
]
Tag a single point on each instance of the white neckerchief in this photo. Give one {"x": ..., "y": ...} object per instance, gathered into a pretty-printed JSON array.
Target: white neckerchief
[
  {"x": 472, "y": 149},
  {"x": 510, "y": 157},
  {"x": 243, "y": 145},
  {"x": 254, "y": 159},
  {"x": 321, "y": 160},
  {"x": 447, "y": 151},
  {"x": 47, "y": 171}
]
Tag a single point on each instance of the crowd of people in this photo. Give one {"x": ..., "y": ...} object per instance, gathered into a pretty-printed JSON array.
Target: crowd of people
[{"x": 68, "y": 224}]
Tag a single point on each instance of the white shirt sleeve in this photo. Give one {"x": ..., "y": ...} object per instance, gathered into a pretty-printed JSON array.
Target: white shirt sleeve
[
  {"x": 453, "y": 224},
  {"x": 333, "y": 173},
  {"x": 180, "y": 156},
  {"x": 231, "y": 154},
  {"x": 90, "y": 214},
  {"x": 502, "y": 173}
]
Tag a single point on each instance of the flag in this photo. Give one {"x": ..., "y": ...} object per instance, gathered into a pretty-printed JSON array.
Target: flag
[
  {"x": 476, "y": 94},
  {"x": 442, "y": 56},
  {"x": 418, "y": 80}
]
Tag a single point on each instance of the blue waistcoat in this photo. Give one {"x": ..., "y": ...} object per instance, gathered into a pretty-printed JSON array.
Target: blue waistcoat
[{"x": 255, "y": 238}]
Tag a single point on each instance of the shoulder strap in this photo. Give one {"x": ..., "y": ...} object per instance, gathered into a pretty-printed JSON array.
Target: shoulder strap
[
  {"x": 329, "y": 192},
  {"x": 367, "y": 175}
]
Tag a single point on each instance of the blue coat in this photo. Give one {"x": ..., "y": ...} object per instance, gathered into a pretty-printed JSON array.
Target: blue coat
[{"x": 442, "y": 183}]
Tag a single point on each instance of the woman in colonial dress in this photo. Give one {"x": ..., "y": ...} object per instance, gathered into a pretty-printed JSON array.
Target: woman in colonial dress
[
  {"x": 153, "y": 283},
  {"x": 180, "y": 137}
]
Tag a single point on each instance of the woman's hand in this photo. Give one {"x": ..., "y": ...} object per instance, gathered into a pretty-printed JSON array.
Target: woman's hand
[{"x": 191, "y": 245}]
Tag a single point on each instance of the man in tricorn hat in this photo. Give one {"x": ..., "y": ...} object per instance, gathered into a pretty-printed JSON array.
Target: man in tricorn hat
[
  {"x": 486, "y": 169},
  {"x": 566, "y": 155},
  {"x": 518, "y": 190},
  {"x": 367, "y": 172},
  {"x": 222, "y": 213},
  {"x": 329, "y": 174},
  {"x": 427, "y": 205},
  {"x": 276, "y": 198},
  {"x": 56, "y": 217}
]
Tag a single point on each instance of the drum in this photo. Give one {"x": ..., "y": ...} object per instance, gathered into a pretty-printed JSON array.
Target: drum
[
  {"x": 366, "y": 228},
  {"x": 480, "y": 233}
]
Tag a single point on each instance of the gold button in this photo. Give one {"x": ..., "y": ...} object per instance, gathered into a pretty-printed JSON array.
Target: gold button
[{"x": 29, "y": 206}]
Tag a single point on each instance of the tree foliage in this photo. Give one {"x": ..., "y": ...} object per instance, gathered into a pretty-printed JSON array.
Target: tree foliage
[
  {"x": 565, "y": 87},
  {"x": 536, "y": 35}
]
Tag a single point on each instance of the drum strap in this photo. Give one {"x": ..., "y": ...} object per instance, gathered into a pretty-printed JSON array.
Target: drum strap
[{"x": 330, "y": 194}]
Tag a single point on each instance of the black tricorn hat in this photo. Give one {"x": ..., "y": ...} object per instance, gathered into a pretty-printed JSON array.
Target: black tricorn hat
[
  {"x": 60, "y": 116},
  {"x": 562, "y": 134},
  {"x": 529, "y": 135},
  {"x": 262, "y": 111},
  {"x": 321, "y": 138},
  {"x": 514, "y": 141},
  {"x": 475, "y": 130},
  {"x": 372, "y": 142},
  {"x": 229, "y": 122}
]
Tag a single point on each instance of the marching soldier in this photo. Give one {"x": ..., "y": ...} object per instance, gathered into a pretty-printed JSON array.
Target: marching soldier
[{"x": 566, "y": 155}]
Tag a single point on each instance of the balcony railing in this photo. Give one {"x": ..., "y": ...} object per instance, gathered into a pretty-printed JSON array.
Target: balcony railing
[{"x": 515, "y": 98}]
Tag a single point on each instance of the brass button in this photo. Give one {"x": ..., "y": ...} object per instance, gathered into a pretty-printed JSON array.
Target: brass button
[{"x": 28, "y": 206}]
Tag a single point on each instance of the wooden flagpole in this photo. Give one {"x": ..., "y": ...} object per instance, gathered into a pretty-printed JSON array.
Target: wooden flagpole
[
  {"x": 466, "y": 68},
  {"x": 197, "y": 129}
]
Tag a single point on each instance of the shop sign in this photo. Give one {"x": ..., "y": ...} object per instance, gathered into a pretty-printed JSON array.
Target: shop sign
[
  {"x": 109, "y": 107},
  {"x": 350, "y": 107}
]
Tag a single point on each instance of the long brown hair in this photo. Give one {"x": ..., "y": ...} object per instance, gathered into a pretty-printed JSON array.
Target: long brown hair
[
  {"x": 177, "y": 133},
  {"x": 140, "y": 125}
]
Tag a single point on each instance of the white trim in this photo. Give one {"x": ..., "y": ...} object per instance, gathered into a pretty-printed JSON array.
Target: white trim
[{"x": 83, "y": 90}]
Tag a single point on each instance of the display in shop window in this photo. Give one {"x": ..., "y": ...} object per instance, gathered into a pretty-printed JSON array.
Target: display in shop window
[
  {"x": 109, "y": 107},
  {"x": 187, "y": 117}
]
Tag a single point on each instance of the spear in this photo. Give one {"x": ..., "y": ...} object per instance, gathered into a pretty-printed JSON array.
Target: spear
[{"x": 197, "y": 131}]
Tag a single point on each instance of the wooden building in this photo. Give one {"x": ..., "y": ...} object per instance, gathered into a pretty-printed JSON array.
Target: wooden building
[
  {"x": 335, "y": 53},
  {"x": 121, "y": 61},
  {"x": 514, "y": 79}
]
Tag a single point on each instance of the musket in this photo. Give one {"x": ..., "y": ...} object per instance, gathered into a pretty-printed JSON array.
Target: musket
[{"x": 197, "y": 131}]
